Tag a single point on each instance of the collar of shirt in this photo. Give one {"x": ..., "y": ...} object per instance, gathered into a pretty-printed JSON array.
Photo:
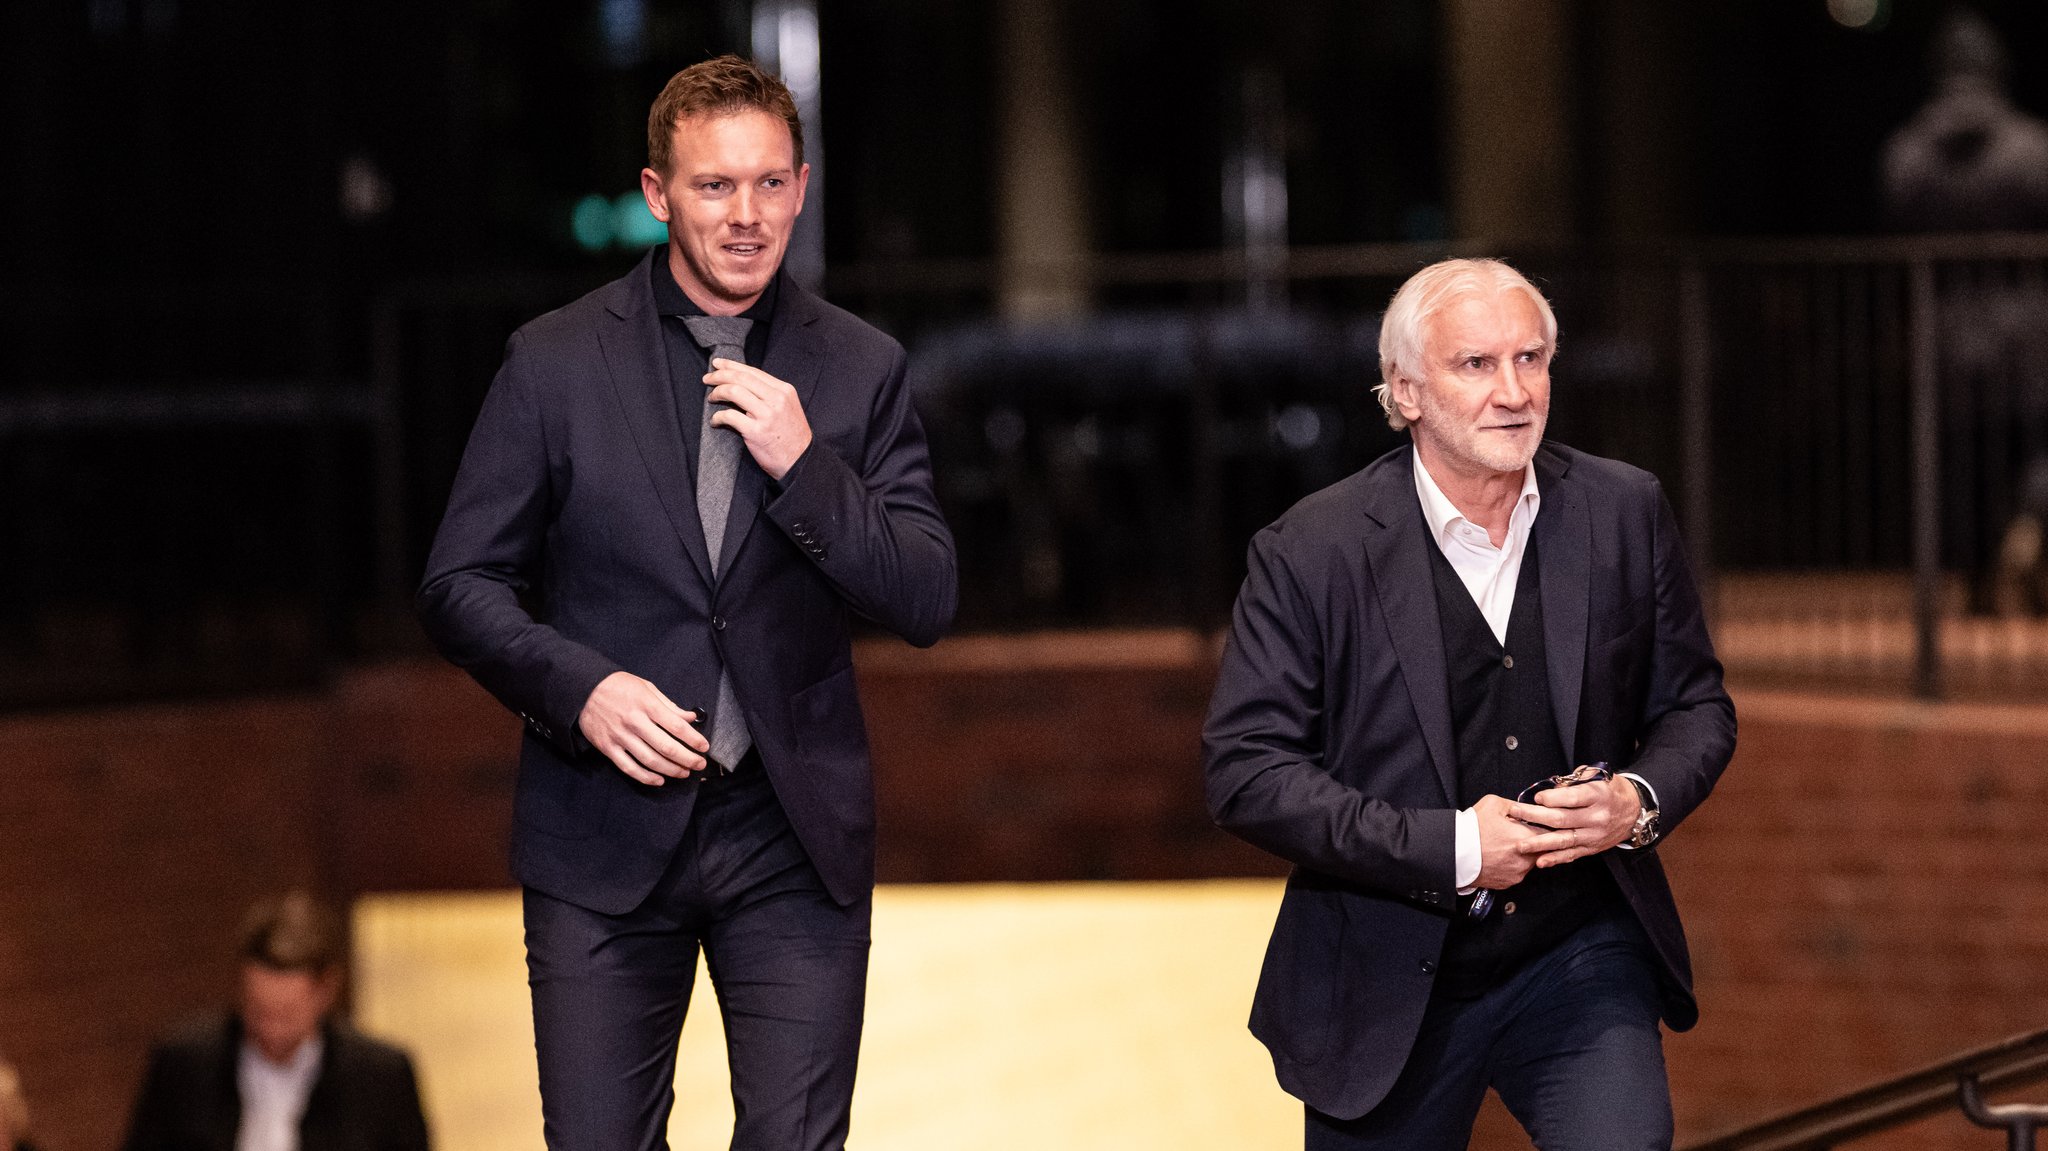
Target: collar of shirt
[
  {"x": 274, "y": 1096},
  {"x": 1445, "y": 519},
  {"x": 670, "y": 300},
  {"x": 1489, "y": 573}
]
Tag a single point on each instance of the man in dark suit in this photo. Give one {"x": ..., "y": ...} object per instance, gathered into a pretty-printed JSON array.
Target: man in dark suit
[
  {"x": 279, "y": 1074},
  {"x": 678, "y": 491},
  {"x": 1412, "y": 648}
]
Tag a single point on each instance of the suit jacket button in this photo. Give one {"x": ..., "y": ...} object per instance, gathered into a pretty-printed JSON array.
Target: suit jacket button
[
  {"x": 1429, "y": 967},
  {"x": 718, "y": 623}
]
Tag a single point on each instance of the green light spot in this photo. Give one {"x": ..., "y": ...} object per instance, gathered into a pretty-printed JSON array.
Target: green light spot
[
  {"x": 633, "y": 224},
  {"x": 592, "y": 222}
]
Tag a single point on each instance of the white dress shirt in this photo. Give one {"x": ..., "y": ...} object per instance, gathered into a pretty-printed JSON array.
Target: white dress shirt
[
  {"x": 1490, "y": 573},
  {"x": 274, "y": 1096}
]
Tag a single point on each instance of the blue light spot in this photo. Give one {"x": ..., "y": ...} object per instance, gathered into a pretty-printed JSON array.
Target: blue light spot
[{"x": 625, "y": 31}]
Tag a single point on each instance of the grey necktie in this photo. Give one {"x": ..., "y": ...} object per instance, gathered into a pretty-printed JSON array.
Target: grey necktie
[{"x": 718, "y": 464}]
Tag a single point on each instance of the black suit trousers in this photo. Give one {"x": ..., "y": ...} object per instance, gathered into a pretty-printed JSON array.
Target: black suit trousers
[
  {"x": 1569, "y": 1042},
  {"x": 788, "y": 962}
]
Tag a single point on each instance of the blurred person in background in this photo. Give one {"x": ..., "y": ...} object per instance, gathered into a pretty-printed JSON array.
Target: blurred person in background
[
  {"x": 1431, "y": 667},
  {"x": 680, "y": 491},
  {"x": 1971, "y": 160},
  {"x": 13, "y": 1110},
  {"x": 2021, "y": 581},
  {"x": 279, "y": 1073}
]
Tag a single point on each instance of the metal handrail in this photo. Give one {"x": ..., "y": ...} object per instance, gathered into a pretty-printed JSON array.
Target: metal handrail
[
  {"x": 2018, "y": 1119},
  {"x": 1955, "y": 1082}
]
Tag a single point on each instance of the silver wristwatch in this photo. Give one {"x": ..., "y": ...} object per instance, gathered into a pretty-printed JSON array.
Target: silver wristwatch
[{"x": 1644, "y": 833}]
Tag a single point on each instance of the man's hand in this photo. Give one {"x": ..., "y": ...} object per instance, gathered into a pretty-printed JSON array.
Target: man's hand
[
  {"x": 765, "y": 412},
  {"x": 1589, "y": 818},
  {"x": 637, "y": 728},
  {"x": 1505, "y": 839}
]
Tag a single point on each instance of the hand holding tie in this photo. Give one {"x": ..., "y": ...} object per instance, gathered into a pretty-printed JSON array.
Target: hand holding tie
[{"x": 764, "y": 411}]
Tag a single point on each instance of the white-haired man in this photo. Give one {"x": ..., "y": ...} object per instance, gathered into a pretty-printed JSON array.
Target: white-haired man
[{"x": 1421, "y": 654}]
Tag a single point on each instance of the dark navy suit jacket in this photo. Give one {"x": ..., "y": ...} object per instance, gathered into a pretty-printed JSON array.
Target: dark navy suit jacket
[
  {"x": 572, "y": 549},
  {"x": 364, "y": 1099},
  {"x": 1329, "y": 742}
]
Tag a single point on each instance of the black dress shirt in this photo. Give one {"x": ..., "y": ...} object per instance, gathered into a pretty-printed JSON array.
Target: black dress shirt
[{"x": 687, "y": 360}]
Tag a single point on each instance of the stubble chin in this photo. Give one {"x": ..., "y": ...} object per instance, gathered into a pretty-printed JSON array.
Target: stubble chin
[
  {"x": 1517, "y": 458},
  {"x": 1474, "y": 452},
  {"x": 741, "y": 285}
]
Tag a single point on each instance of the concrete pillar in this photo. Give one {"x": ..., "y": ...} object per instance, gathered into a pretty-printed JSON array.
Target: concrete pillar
[
  {"x": 1640, "y": 165},
  {"x": 1041, "y": 229},
  {"x": 785, "y": 39},
  {"x": 1512, "y": 159}
]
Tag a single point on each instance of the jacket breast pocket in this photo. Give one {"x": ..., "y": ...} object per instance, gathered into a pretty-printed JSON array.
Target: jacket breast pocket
[{"x": 1633, "y": 616}]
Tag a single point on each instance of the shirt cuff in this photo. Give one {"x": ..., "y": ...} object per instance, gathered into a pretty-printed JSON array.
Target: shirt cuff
[
  {"x": 1467, "y": 873},
  {"x": 1647, "y": 789}
]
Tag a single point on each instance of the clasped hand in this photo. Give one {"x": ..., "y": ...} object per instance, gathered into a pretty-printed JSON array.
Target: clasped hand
[
  {"x": 765, "y": 412},
  {"x": 1558, "y": 826},
  {"x": 641, "y": 732}
]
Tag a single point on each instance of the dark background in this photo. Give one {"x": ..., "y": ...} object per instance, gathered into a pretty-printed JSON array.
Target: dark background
[
  {"x": 190, "y": 140},
  {"x": 194, "y": 387},
  {"x": 230, "y": 410}
]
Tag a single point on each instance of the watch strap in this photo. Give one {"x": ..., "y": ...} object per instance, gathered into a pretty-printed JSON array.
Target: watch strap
[{"x": 1644, "y": 833}]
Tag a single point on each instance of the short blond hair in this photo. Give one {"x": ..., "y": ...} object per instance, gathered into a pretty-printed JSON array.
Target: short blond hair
[{"x": 1428, "y": 292}]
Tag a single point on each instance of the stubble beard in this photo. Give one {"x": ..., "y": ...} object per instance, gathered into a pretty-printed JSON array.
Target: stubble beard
[
  {"x": 731, "y": 287},
  {"x": 1460, "y": 443}
]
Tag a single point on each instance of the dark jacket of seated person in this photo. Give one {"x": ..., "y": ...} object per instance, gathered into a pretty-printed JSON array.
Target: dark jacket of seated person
[{"x": 279, "y": 1074}]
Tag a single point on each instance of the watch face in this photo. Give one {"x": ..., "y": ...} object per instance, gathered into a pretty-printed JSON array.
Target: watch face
[{"x": 1645, "y": 829}]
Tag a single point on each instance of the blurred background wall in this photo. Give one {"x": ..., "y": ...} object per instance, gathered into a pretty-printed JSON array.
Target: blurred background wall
[{"x": 259, "y": 261}]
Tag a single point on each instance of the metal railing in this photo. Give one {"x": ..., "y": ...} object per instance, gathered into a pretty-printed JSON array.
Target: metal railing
[
  {"x": 1846, "y": 428},
  {"x": 1959, "y": 1081},
  {"x": 1862, "y": 409}
]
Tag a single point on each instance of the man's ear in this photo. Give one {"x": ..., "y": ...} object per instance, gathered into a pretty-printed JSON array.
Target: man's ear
[
  {"x": 1404, "y": 391},
  {"x": 655, "y": 189}
]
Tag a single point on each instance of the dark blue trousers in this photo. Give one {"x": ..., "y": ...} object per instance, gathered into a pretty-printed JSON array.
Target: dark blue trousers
[
  {"x": 1570, "y": 1043},
  {"x": 789, "y": 966}
]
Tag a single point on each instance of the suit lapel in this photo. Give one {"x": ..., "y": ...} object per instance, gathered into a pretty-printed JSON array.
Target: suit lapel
[
  {"x": 1394, "y": 539},
  {"x": 794, "y": 357},
  {"x": 637, "y": 360},
  {"x": 317, "y": 1127},
  {"x": 1564, "y": 549}
]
